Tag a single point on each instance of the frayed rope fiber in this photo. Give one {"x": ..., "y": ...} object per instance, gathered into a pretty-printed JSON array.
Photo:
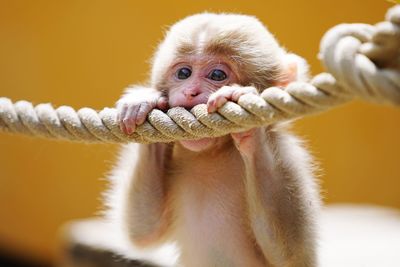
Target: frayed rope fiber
[{"x": 363, "y": 61}]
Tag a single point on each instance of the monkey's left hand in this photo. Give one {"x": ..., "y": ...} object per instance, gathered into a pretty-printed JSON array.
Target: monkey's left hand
[
  {"x": 246, "y": 142},
  {"x": 227, "y": 93}
]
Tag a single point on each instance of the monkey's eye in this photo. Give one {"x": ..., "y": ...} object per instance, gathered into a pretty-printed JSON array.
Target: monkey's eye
[
  {"x": 183, "y": 73},
  {"x": 217, "y": 75}
]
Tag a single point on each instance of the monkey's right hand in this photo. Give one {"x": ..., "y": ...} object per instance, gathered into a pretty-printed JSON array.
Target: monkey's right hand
[{"x": 134, "y": 106}]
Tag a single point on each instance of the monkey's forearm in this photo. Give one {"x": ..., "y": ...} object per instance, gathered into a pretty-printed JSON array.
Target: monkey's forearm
[
  {"x": 145, "y": 207},
  {"x": 277, "y": 209}
]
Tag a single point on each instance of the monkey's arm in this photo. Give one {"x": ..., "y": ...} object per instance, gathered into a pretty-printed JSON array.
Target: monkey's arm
[
  {"x": 138, "y": 198},
  {"x": 281, "y": 196},
  {"x": 147, "y": 216},
  {"x": 141, "y": 171}
]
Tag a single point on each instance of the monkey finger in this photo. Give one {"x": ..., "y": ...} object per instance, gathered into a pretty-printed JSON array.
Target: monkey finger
[
  {"x": 130, "y": 119},
  {"x": 224, "y": 91},
  {"x": 121, "y": 112},
  {"x": 220, "y": 97},
  {"x": 216, "y": 102},
  {"x": 211, "y": 105},
  {"x": 221, "y": 100},
  {"x": 142, "y": 112},
  {"x": 120, "y": 116},
  {"x": 162, "y": 103},
  {"x": 123, "y": 128},
  {"x": 242, "y": 91}
]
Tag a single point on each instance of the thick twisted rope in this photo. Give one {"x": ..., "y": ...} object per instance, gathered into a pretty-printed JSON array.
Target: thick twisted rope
[{"x": 364, "y": 62}]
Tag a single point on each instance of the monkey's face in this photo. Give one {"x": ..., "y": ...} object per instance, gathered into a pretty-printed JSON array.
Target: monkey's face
[{"x": 192, "y": 79}]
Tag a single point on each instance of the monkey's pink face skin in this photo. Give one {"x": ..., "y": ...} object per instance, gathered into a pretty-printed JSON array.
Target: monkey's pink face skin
[{"x": 192, "y": 80}]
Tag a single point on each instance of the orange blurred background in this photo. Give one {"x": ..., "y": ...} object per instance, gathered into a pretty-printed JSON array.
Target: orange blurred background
[{"x": 83, "y": 53}]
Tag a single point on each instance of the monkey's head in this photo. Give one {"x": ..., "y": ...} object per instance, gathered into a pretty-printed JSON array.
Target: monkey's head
[
  {"x": 204, "y": 52},
  {"x": 243, "y": 41}
]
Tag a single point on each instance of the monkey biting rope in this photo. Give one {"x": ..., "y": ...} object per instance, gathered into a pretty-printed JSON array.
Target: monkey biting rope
[{"x": 362, "y": 61}]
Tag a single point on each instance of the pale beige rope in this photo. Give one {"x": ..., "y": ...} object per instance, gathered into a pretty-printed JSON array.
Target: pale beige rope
[{"x": 364, "y": 62}]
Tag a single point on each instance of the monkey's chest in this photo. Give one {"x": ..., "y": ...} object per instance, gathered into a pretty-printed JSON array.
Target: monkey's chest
[{"x": 211, "y": 219}]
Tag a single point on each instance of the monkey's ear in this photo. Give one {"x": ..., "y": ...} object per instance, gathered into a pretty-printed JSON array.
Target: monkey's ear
[{"x": 296, "y": 69}]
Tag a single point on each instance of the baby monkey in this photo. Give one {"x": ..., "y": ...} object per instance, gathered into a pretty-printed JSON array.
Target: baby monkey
[{"x": 246, "y": 199}]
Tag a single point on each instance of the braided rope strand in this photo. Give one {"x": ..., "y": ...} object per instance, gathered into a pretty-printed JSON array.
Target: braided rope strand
[{"x": 363, "y": 61}]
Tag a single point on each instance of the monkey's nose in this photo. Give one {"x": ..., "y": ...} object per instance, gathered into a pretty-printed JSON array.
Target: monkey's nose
[{"x": 191, "y": 93}]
